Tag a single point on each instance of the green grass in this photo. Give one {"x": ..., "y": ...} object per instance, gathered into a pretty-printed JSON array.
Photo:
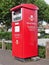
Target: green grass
[
  {"x": 0, "y": 45},
  {"x": 6, "y": 35},
  {"x": 8, "y": 46},
  {"x": 41, "y": 51},
  {"x": 46, "y": 36}
]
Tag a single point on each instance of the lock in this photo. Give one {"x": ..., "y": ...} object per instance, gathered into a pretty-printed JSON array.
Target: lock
[{"x": 17, "y": 42}]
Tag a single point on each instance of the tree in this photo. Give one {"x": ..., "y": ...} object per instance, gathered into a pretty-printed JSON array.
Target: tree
[
  {"x": 43, "y": 10},
  {"x": 5, "y": 6},
  {"x": 46, "y": 14}
]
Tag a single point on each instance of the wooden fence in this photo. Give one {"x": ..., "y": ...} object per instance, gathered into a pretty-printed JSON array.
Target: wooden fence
[
  {"x": 3, "y": 41},
  {"x": 41, "y": 42}
]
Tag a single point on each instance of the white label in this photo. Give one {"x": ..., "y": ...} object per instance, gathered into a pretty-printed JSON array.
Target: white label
[
  {"x": 31, "y": 17},
  {"x": 16, "y": 23},
  {"x": 17, "y": 28}
]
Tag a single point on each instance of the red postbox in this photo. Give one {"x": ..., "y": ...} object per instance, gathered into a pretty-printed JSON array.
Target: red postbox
[{"x": 24, "y": 31}]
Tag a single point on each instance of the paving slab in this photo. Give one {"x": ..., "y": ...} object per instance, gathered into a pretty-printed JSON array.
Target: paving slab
[{"x": 6, "y": 58}]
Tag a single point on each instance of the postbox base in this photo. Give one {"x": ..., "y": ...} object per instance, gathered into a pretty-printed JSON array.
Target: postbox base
[
  {"x": 23, "y": 59},
  {"x": 28, "y": 59}
]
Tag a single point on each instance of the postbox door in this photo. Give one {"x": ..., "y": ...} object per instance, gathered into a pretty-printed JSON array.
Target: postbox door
[
  {"x": 17, "y": 32},
  {"x": 17, "y": 36}
]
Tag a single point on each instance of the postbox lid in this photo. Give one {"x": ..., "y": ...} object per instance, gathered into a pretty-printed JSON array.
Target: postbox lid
[{"x": 30, "y": 6}]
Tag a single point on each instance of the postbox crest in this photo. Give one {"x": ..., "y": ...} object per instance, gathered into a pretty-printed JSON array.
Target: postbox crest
[{"x": 31, "y": 18}]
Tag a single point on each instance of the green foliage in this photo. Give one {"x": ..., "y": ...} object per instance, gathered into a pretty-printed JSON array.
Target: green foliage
[
  {"x": 43, "y": 10},
  {"x": 0, "y": 45},
  {"x": 46, "y": 14},
  {"x": 46, "y": 36},
  {"x": 43, "y": 35},
  {"x": 5, "y": 35},
  {"x": 41, "y": 51},
  {"x": 9, "y": 46},
  {"x": 6, "y": 5}
]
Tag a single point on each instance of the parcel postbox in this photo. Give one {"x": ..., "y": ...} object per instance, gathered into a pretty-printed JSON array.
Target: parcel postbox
[{"x": 24, "y": 31}]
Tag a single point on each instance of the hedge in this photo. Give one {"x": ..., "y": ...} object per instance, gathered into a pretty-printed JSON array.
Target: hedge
[
  {"x": 41, "y": 51},
  {"x": 6, "y": 35}
]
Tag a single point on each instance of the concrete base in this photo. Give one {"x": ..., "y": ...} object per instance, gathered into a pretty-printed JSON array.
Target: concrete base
[
  {"x": 23, "y": 59},
  {"x": 28, "y": 59}
]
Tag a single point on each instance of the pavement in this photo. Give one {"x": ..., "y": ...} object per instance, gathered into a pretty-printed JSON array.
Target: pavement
[{"x": 6, "y": 58}]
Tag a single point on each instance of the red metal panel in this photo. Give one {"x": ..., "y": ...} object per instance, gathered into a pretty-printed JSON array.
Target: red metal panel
[
  {"x": 30, "y": 33},
  {"x": 30, "y": 6},
  {"x": 17, "y": 39}
]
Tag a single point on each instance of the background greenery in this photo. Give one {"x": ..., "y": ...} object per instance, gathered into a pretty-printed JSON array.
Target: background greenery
[
  {"x": 41, "y": 51},
  {"x": 6, "y": 5},
  {"x": 43, "y": 35},
  {"x": 6, "y": 35}
]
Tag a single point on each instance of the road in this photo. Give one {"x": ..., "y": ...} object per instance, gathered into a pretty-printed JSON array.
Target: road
[{"x": 6, "y": 58}]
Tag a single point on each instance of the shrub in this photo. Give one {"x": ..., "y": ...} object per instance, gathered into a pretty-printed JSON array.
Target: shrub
[
  {"x": 0, "y": 45},
  {"x": 41, "y": 51},
  {"x": 46, "y": 36},
  {"x": 5, "y": 35},
  {"x": 9, "y": 46}
]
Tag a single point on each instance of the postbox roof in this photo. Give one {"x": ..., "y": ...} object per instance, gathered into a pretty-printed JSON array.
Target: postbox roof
[{"x": 30, "y": 6}]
